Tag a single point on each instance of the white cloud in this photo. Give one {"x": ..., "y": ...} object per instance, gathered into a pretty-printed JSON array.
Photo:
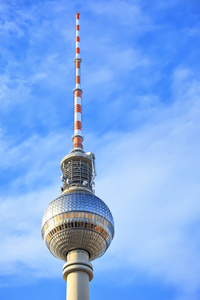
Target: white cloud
[
  {"x": 34, "y": 182},
  {"x": 150, "y": 179},
  {"x": 123, "y": 12},
  {"x": 22, "y": 249}
]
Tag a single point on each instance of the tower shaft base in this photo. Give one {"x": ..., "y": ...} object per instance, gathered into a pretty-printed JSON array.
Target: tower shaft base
[{"x": 77, "y": 272}]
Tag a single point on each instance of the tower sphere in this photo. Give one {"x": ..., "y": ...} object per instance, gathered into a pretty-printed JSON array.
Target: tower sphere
[{"x": 77, "y": 220}]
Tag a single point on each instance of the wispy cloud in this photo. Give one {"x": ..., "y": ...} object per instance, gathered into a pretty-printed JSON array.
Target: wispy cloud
[
  {"x": 150, "y": 181},
  {"x": 23, "y": 251},
  {"x": 125, "y": 13}
]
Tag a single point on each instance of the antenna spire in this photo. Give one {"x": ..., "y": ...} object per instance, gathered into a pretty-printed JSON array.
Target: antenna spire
[{"x": 77, "y": 137}]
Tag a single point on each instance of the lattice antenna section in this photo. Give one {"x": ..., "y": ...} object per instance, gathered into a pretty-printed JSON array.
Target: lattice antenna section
[{"x": 78, "y": 171}]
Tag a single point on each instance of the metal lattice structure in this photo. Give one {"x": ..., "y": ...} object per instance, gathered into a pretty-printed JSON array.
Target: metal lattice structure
[{"x": 78, "y": 171}]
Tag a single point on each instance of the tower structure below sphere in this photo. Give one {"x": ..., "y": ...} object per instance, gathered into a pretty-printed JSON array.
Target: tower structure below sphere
[{"x": 77, "y": 226}]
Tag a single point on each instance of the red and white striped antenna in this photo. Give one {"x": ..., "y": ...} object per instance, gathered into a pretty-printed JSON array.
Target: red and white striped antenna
[{"x": 77, "y": 137}]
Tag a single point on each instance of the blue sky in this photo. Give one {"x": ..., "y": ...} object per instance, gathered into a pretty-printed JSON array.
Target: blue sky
[{"x": 141, "y": 105}]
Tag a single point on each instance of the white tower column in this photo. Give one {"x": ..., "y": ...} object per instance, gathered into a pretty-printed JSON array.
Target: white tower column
[{"x": 77, "y": 272}]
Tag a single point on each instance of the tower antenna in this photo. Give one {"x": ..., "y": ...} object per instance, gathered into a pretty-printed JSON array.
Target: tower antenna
[{"x": 77, "y": 137}]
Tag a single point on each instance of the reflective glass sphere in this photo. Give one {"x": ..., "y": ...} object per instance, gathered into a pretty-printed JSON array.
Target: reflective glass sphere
[{"x": 77, "y": 220}]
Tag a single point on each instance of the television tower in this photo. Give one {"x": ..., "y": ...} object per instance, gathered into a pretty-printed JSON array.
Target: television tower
[{"x": 77, "y": 227}]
